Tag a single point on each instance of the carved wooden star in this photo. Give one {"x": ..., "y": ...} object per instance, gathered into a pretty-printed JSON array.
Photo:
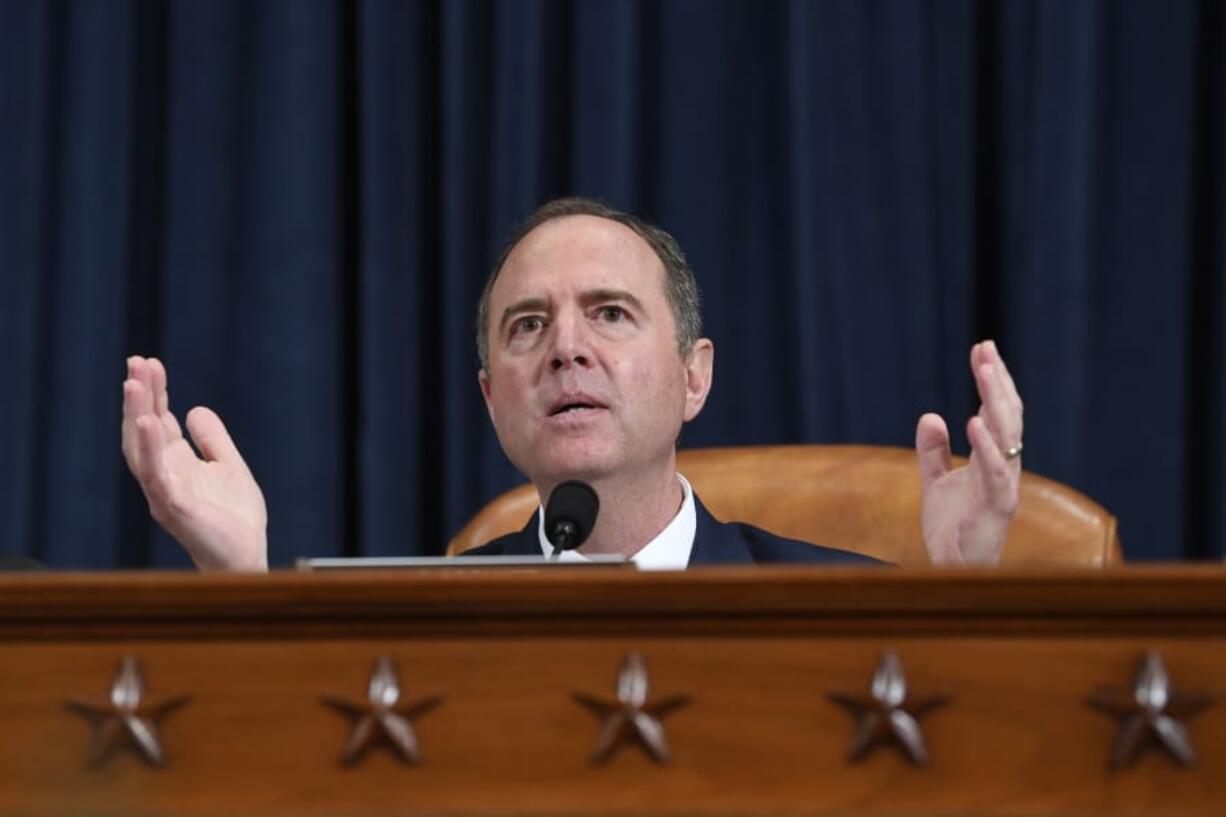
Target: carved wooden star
[
  {"x": 631, "y": 715},
  {"x": 1149, "y": 714},
  {"x": 888, "y": 713},
  {"x": 126, "y": 714},
  {"x": 382, "y": 715}
]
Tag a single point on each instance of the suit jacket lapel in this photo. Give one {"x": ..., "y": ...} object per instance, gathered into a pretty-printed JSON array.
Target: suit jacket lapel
[
  {"x": 715, "y": 542},
  {"x": 526, "y": 542}
]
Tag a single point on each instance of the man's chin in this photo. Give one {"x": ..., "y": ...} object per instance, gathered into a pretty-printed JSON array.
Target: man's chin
[{"x": 587, "y": 465}]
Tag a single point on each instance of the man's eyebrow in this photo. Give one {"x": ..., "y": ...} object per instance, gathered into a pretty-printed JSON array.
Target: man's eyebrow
[
  {"x": 519, "y": 307},
  {"x": 594, "y": 296}
]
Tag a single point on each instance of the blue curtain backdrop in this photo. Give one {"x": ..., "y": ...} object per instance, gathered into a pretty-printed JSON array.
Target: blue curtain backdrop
[{"x": 295, "y": 204}]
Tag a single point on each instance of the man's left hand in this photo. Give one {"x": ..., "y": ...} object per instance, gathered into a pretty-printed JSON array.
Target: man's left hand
[{"x": 966, "y": 511}]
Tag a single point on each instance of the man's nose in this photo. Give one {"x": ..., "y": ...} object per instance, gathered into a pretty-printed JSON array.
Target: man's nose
[{"x": 570, "y": 344}]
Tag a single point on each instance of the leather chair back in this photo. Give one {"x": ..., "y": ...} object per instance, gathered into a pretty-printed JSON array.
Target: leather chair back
[{"x": 854, "y": 497}]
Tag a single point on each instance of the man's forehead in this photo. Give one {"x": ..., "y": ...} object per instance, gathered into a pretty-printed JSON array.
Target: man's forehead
[{"x": 588, "y": 250}]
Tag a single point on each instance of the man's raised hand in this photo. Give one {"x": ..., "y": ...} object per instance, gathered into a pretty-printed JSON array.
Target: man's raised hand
[
  {"x": 210, "y": 503},
  {"x": 966, "y": 511}
]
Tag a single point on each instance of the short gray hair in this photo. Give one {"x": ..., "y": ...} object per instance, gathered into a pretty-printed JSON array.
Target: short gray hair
[{"x": 680, "y": 287}]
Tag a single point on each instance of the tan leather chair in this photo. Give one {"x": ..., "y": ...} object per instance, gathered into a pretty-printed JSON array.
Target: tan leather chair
[{"x": 855, "y": 497}]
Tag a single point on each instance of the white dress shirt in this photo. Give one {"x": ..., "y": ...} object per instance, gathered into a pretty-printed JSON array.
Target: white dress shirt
[{"x": 670, "y": 550}]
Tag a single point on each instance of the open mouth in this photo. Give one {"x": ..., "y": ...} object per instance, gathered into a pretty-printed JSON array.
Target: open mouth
[
  {"x": 573, "y": 408},
  {"x": 575, "y": 403}
]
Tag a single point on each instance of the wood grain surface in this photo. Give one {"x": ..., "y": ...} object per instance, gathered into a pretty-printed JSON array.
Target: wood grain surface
[{"x": 757, "y": 651}]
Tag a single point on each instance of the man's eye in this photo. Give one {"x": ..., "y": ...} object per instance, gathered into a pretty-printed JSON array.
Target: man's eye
[
  {"x": 612, "y": 313},
  {"x": 529, "y": 324}
]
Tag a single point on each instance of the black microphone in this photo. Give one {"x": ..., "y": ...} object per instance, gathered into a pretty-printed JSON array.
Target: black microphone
[{"x": 570, "y": 515}]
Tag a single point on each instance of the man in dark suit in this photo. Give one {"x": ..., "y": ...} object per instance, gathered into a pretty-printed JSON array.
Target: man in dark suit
[
  {"x": 592, "y": 359},
  {"x": 711, "y": 543}
]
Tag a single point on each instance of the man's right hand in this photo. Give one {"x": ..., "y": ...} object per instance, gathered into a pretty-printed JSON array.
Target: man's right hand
[{"x": 212, "y": 506}]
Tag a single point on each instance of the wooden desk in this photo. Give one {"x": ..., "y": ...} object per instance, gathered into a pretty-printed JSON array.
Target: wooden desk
[{"x": 756, "y": 651}]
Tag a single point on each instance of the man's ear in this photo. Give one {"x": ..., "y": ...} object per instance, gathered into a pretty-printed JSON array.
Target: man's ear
[
  {"x": 699, "y": 369},
  {"x": 483, "y": 379}
]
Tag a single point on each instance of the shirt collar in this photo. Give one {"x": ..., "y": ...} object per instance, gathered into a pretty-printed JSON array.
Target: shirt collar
[{"x": 669, "y": 550}]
